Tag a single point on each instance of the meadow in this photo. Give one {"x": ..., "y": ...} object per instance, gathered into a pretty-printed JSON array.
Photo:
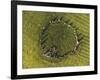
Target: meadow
[{"x": 32, "y": 24}]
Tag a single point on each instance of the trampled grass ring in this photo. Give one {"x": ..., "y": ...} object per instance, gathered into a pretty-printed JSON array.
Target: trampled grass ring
[{"x": 58, "y": 38}]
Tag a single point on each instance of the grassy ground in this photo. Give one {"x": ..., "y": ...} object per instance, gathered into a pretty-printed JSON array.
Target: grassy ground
[{"x": 32, "y": 25}]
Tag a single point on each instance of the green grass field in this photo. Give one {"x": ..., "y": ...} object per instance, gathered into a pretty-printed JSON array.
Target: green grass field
[{"x": 33, "y": 23}]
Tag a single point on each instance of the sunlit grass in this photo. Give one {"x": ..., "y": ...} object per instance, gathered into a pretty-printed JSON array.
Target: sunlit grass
[{"x": 32, "y": 25}]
